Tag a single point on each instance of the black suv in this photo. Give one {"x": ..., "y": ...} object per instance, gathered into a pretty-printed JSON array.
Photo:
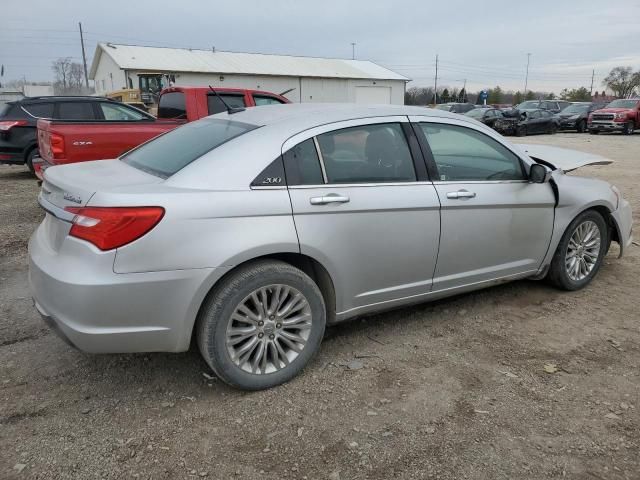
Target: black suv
[{"x": 18, "y": 119}]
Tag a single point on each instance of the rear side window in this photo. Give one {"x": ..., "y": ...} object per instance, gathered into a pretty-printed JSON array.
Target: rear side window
[
  {"x": 39, "y": 110},
  {"x": 216, "y": 106},
  {"x": 172, "y": 105},
  {"x": 367, "y": 154},
  {"x": 169, "y": 153},
  {"x": 76, "y": 111},
  {"x": 266, "y": 100},
  {"x": 302, "y": 164},
  {"x": 11, "y": 110}
]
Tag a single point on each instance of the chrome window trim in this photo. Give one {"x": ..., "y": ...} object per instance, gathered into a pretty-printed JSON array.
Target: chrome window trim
[
  {"x": 457, "y": 182},
  {"x": 352, "y": 185},
  {"x": 321, "y": 159}
]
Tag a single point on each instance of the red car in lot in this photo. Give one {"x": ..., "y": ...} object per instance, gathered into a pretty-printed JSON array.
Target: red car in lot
[
  {"x": 622, "y": 115},
  {"x": 63, "y": 141}
]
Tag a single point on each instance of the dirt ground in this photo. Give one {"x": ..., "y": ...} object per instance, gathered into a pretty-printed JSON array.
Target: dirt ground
[{"x": 450, "y": 390}]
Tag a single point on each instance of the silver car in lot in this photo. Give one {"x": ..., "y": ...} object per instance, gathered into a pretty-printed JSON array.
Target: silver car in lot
[{"x": 249, "y": 232}]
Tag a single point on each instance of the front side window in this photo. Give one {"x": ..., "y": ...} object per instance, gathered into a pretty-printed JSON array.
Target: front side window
[
  {"x": 215, "y": 105},
  {"x": 367, "y": 154},
  {"x": 462, "y": 154},
  {"x": 172, "y": 105},
  {"x": 168, "y": 153},
  {"x": 115, "y": 112},
  {"x": 76, "y": 111},
  {"x": 266, "y": 100}
]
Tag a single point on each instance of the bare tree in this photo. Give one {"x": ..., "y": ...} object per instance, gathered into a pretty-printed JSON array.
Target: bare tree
[
  {"x": 76, "y": 76},
  {"x": 622, "y": 81},
  {"x": 62, "y": 70}
]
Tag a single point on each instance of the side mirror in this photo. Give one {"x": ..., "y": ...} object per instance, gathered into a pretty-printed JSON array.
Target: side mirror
[{"x": 539, "y": 174}]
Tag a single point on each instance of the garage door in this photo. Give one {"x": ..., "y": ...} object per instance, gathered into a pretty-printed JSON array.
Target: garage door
[{"x": 373, "y": 95}]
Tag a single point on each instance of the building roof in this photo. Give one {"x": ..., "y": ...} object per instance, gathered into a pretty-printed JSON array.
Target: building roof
[{"x": 133, "y": 57}]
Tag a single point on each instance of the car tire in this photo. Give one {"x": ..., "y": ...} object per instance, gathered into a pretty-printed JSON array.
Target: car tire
[
  {"x": 553, "y": 129},
  {"x": 628, "y": 128},
  {"x": 244, "y": 343},
  {"x": 29, "y": 161},
  {"x": 576, "y": 250},
  {"x": 521, "y": 131},
  {"x": 582, "y": 126},
  {"x": 594, "y": 132}
]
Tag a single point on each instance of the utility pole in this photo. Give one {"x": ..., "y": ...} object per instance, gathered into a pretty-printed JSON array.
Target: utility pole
[
  {"x": 353, "y": 51},
  {"x": 526, "y": 78},
  {"x": 593, "y": 74},
  {"x": 84, "y": 57},
  {"x": 435, "y": 83}
]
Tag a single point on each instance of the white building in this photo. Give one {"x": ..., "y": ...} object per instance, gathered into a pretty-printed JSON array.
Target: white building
[{"x": 117, "y": 66}]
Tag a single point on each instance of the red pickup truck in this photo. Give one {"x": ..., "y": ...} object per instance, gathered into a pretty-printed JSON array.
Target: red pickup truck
[
  {"x": 622, "y": 115},
  {"x": 66, "y": 141}
]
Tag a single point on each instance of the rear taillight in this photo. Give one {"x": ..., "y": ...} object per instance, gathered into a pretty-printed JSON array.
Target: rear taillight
[
  {"x": 56, "y": 145},
  {"x": 7, "y": 125},
  {"x": 113, "y": 227}
]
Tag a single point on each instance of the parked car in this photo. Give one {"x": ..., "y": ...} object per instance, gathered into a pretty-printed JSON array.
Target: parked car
[
  {"x": 575, "y": 116},
  {"x": 249, "y": 232},
  {"x": 69, "y": 142},
  {"x": 18, "y": 133},
  {"x": 488, "y": 116},
  {"x": 621, "y": 115},
  {"x": 456, "y": 107},
  {"x": 554, "y": 106},
  {"x": 527, "y": 123}
]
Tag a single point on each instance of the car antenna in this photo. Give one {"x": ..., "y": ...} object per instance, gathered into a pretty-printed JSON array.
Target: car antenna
[
  {"x": 282, "y": 94},
  {"x": 230, "y": 110}
]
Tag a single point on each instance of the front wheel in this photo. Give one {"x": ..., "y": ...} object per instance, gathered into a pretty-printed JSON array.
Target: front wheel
[
  {"x": 262, "y": 325},
  {"x": 521, "y": 131},
  {"x": 582, "y": 126},
  {"x": 580, "y": 252},
  {"x": 594, "y": 132},
  {"x": 553, "y": 129},
  {"x": 628, "y": 128}
]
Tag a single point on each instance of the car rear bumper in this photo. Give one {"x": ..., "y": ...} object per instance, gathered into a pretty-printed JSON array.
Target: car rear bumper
[{"x": 99, "y": 311}]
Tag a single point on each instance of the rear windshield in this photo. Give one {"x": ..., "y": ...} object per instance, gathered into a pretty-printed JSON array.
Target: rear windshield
[{"x": 168, "y": 153}]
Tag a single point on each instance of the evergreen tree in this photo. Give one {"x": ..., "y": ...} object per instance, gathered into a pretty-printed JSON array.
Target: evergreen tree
[{"x": 495, "y": 95}]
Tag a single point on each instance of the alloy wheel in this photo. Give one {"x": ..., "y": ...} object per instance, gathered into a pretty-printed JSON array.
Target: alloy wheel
[
  {"x": 583, "y": 251},
  {"x": 268, "y": 329}
]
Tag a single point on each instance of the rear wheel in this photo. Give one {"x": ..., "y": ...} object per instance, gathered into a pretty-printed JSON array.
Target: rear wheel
[
  {"x": 628, "y": 128},
  {"x": 580, "y": 252},
  {"x": 553, "y": 129},
  {"x": 262, "y": 325},
  {"x": 521, "y": 131},
  {"x": 29, "y": 161}
]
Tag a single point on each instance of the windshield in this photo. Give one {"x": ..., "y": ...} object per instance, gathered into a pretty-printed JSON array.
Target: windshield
[
  {"x": 528, "y": 105},
  {"x": 475, "y": 113},
  {"x": 444, "y": 107},
  {"x": 576, "y": 108},
  {"x": 171, "y": 152},
  {"x": 623, "y": 104}
]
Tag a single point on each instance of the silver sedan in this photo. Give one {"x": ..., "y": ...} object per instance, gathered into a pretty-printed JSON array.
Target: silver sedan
[{"x": 251, "y": 231}]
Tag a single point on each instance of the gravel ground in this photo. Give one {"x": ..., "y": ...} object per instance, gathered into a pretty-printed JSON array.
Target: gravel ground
[{"x": 449, "y": 390}]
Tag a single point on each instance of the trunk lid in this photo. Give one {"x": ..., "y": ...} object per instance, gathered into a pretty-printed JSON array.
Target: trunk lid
[
  {"x": 74, "y": 184},
  {"x": 563, "y": 158}
]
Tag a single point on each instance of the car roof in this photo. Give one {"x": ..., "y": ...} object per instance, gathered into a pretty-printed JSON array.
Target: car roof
[
  {"x": 307, "y": 115},
  {"x": 61, "y": 98}
]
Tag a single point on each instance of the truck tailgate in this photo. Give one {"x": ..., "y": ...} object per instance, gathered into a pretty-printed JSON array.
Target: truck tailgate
[{"x": 69, "y": 142}]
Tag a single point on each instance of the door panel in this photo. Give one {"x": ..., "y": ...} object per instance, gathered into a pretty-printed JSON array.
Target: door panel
[
  {"x": 494, "y": 223},
  {"x": 504, "y": 230},
  {"x": 380, "y": 245}
]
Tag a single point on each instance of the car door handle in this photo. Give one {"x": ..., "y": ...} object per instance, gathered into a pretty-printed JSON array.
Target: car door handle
[
  {"x": 326, "y": 199},
  {"x": 461, "y": 194}
]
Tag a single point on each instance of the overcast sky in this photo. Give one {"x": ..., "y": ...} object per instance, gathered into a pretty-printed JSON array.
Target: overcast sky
[{"x": 484, "y": 42}]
